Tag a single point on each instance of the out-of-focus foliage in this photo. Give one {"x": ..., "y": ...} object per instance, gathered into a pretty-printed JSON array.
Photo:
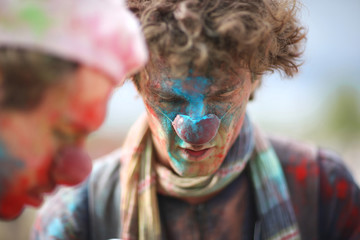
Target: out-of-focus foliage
[{"x": 343, "y": 114}]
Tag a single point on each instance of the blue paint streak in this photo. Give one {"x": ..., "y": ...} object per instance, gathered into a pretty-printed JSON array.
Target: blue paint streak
[
  {"x": 71, "y": 206},
  {"x": 56, "y": 229},
  {"x": 8, "y": 167},
  {"x": 3, "y": 151},
  {"x": 192, "y": 90}
]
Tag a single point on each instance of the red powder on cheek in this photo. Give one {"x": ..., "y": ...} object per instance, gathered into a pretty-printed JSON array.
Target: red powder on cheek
[
  {"x": 5, "y": 123},
  {"x": 150, "y": 110},
  {"x": 220, "y": 155},
  {"x": 93, "y": 114},
  {"x": 88, "y": 116},
  {"x": 43, "y": 174},
  {"x": 24, "y": 183},
  {"x": 54, "y": 116}
]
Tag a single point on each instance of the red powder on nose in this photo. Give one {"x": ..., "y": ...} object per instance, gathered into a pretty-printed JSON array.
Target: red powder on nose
[
  {"x": 198, "y": 131},
  {"x": 72, "y": 166}
]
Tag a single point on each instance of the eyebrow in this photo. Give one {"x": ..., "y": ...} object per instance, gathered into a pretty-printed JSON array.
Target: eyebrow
[
  {"x": 227, "y": 89},
  {"x": 161, "y": 93},
  {"x": 222, "y": 91}
]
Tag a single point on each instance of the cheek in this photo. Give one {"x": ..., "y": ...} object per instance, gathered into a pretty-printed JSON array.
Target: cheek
[
  {"x": 232, "y": 123},
  {"x": 23, "y": 177},
  {"x": 92, "y": 113},
  {"x": 30, "y": 138},
  {"x": 238, "y": 122},
  {"x": 160, "y": 126},
  {"x": 36, "y": 172},
  {"x": 87, "y": 99},
  {"x": 10, "y": 169}
]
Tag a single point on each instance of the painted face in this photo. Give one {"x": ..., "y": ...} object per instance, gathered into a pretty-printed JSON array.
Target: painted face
[
  {"x": 195, "y": 120},
  {"x": 44, "y": 147}
]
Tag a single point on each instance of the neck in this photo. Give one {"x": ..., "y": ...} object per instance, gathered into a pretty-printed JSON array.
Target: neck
[{"x": 191, "y": 200}]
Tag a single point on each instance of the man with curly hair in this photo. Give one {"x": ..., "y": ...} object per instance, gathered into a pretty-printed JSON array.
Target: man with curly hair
[
  {"x": 54, "y": 88},
  {"x": 195, "y": 166}
]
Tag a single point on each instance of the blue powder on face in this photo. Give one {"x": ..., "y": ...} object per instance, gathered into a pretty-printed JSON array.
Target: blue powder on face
[
  {"x": 8, "y": 166},
  {"x": 191, "y": 103},
  {"x": 193, "y": 98},
  {"x": 193, "y": 89},
  {"x": 2, "y": 151}
]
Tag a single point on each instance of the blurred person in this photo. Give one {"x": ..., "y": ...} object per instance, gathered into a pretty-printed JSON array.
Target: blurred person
[
  {"x": 59, "y": 62},
  {"x": 195, "y": 166}
]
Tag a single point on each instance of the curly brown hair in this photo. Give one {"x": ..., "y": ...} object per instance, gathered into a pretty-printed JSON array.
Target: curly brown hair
[{"x": 261, "y": 35}]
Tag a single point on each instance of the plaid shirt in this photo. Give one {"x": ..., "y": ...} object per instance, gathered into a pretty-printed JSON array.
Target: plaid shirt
[{"x": 324, "y": 195}]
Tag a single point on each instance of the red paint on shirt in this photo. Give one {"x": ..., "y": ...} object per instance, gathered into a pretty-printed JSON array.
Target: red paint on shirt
[
  {"x": 301, "y": 173},
  {"x": 342, "y": 188}
]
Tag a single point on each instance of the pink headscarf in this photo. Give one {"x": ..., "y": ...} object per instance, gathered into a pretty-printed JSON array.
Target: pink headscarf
[{"x": 98, "y": 33}]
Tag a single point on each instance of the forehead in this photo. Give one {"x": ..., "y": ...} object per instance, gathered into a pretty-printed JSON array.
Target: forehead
[{"x": 161, "y": 78}]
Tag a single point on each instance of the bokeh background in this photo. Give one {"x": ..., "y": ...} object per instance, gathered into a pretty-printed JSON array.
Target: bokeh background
[{"x": 320, "y": 105}]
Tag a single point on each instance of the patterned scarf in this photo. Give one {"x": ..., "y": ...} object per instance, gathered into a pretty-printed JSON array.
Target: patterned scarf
[
  {"x": 141, "y": 176},
  {"x": 275, "y": 212}
]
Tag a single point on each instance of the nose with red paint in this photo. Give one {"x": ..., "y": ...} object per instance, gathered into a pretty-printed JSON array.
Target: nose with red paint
[{"x": 196, "y": 131}]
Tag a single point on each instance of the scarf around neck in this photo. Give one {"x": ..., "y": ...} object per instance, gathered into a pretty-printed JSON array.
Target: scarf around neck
[{"x": 141, "y": 177}]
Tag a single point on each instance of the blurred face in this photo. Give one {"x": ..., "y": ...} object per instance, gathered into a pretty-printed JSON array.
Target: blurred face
[
  {"x": 44, "y": 147},
  {"x": 195, "y": 120}
]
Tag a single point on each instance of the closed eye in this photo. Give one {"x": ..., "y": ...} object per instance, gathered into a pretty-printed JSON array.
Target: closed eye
[
  {"x": 223, "y": 95},
  {"x": 169, "y": 98},
  {"x": 172, "y": 99}
]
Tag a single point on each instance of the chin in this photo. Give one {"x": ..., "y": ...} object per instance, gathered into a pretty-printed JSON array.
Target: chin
[
  {"x": 184, "y": 168},
  {"x": 11, "y": 212},
  {"x": 11, "y": 206},
  {"x": 188, "y": 173}
]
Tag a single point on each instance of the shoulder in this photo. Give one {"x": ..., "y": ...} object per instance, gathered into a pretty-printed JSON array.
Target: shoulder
[
  {"x": 306, "y": 164},
  {"x": 63, "y": 216},
  {"x": 303, "y": 161},
  {"x": 104, "y": 196},
  {"x": 73, "y": 212},
  {"x": 105, "y": 172},
  {"x": 300, "y": 165},
  {"x": 325, "y": 196},
  {"x": 339, "y": 213}
]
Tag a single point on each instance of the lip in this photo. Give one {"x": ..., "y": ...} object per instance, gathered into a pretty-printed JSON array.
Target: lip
[
  {"x": 196, "y": 155},
  {"x": 193, "y": 147}
]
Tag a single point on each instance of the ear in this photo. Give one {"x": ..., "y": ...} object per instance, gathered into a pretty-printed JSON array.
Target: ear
[
  {"x": 135, "y": 80},
  {"x": 131, "y": 78},
  {"x": 256, "y": 82}
]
